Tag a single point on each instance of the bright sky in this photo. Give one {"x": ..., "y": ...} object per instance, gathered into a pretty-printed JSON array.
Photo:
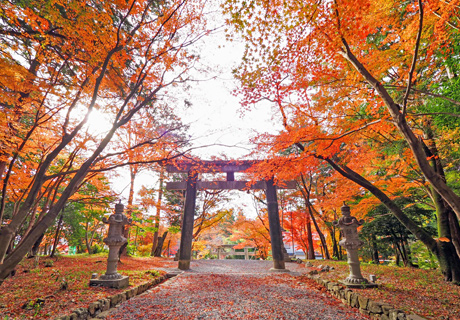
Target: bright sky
[{"x": 215, "y": 115}]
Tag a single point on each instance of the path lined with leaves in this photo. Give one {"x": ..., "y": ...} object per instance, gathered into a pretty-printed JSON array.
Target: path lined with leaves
[{"x": 234, "y": 289}]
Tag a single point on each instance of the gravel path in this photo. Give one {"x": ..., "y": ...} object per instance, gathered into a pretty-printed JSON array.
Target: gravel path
[{"x": 234, "y": 289}]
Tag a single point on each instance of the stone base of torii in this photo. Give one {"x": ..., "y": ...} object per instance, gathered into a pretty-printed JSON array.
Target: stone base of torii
[{"x": 191, "y": 185}]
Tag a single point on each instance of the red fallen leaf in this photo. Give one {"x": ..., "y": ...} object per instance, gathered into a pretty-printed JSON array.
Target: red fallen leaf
[{"x": 28, "y": 286}]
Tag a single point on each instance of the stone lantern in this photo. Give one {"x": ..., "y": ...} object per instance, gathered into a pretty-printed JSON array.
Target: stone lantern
[
  {"x": 351, "y": 242},
  {"x": 114, "y": 240}
]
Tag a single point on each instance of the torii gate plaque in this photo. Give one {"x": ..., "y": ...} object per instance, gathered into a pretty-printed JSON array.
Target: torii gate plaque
[{"x": 191, "y": 185}]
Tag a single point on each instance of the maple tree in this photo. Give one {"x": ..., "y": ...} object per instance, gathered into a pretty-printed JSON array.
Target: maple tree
[
  {"x": 94, "y": 197},
  {"x": 161, "y": 128},
  {"x": 80, "y": 221},
  {"x": 300, "y": 232},
  {"x": 349, "y": 79},
  {"x": 166, "y": 219},
  {"x": 252, "y": 233},
  {"x": 296, "y": 221},
  {"x": 209, "y": 212},
  {"x": 148, "y": 201},
  {"x": 62, "y": 59}
]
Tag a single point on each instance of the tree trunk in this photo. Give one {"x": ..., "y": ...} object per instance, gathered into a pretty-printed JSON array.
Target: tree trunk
[
  {"x": 2, "y": 169},
  {"x": 455, "y": 231},
  {"x": 135, "y": 239},
  {"x": 133, "y": 172},
  {"x": 311, "y": 249},
  {"x": 161, "y": 241},
  {"x": 397, "y": 257},
  {"x": 336, "y": 252},
  {"x": 406, "y": 257},
  {"x": 158, "y": 210},
  {"x": 306, "y": 195},
  {"x": 87, "y": 240},
  {"x": 446, "y": 220},
  {"x": 416, "y": 145},
  {"x": 36, "y": 246},
  {"x": 449, "y": 261},
  {"x": 320, "y": 234},
  {"x": 56, "y": 236},
  {"x": 399, "y": 251},
  {"x": 375, "y": 252}
]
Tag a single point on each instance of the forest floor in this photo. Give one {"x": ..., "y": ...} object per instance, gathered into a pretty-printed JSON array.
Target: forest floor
[
  {"x": 422, "y": 292},
  {"x": 418, "y": 291},
  {"x": 20, "y": 294}
]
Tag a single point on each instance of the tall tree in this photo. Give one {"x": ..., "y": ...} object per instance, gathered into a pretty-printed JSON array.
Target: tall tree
[
  {"x": 343, "y": 74},
  {"x": 68, "y": 59},
  {"x": 253, "y": 233}
]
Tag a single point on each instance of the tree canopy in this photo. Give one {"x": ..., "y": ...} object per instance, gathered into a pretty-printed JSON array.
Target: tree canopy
[{"x": 60, "y": 61}]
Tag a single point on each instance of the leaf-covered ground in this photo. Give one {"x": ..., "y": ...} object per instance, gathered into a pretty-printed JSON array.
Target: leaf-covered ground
[
  {"x": 418, "y": 291},
  {"x": 236, "y": 289},
  {"x": 20, "y": 294}
]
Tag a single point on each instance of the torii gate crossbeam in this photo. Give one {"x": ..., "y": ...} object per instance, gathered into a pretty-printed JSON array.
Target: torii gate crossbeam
[{"x": 191, "y": 185}]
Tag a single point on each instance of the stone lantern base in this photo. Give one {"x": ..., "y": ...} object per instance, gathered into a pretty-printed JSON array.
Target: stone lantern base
[
  {"x": 117, "y": 283},
  {"x": 278, "y": 270},
  {"x": 358, "y": 283}
]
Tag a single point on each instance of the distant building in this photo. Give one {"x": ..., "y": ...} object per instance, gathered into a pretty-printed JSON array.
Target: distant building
[{"x": 298, "y": 252}]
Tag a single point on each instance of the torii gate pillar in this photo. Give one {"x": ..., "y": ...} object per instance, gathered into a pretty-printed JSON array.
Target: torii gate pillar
[
  {"x": 276, "y": 236},
  {"x": 229, "y": 167},
  {"x": 185, "y": 250}
]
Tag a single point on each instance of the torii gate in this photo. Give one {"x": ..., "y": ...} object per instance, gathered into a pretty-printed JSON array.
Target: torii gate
[{"x": 191, "y": 185}]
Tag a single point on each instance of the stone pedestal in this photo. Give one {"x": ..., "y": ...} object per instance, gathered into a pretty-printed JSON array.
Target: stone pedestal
[
  {"x": 114, "y": 240},
  {"x": 279, "y": 269},
  {"x": 351, "y": 242},
  {"x": 286, "y": 256},
  {"x": 111, "y": 283}
]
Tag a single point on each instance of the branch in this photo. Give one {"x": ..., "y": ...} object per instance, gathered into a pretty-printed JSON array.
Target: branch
[
  {"x": 434, "y": 113},
  {"x": 24, "y": 34},
  {"x": 117, "y": 166},
  {"x": 348, "y": 173},
  {"x": 429, "y": 94},
  {"x": 450, "y": 24},
  {"x": 414, "y": 58},
  {"x": 350, "y": 132}
]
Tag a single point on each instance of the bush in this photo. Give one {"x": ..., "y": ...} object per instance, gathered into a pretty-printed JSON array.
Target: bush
[
  {"x": 144, "y": 251},
  {"x": 98, "y": 249},
  {"x": 130, "y": 250},
  {"x": 422, "y": 256},
  {"x": 154, "y": 273}
]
